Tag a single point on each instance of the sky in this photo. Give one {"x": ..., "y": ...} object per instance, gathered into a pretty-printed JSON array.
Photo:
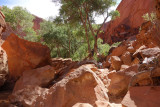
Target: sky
[{"x": 41, "y": 8}]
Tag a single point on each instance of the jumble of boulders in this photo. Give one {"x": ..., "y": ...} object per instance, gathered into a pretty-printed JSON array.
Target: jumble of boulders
[
  {"x": 45, "y": 82},
  {"x": 130, "y": 74}
]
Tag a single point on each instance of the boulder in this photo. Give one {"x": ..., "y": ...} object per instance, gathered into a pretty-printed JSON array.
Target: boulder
[
  {"x": 116, "y": 62},
  {"x": 82, "y": 105},
  {"x": 98, "y": 104},
  {"x": 126, "y": 58},
  {"x": 3, "y": 67},
  {"x": 146, "y": 96},
  {"x": 59, "y": 63},
  {"x": 120, "y": 80},
  {"x": 27, "y": 96},
  {"x": 131, "y": 49},
  {"x": 80, "y": 85},
  {"x": 123, "y": 67},
  {"x": 36, "y": 77},
  {"x": 149, "y": 52},
  {"x": 24, "y": 55},
  {"x": 119, "y": 50},
  {"x": 135, "y": 61}
]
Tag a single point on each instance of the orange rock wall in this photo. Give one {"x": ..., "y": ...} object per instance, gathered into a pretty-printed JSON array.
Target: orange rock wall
[{"x": 131, "y": 12}]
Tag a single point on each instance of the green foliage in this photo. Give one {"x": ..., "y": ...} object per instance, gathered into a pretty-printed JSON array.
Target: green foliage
[
  {"x": 115, "y": 14},
  {"x": 103, "y": 48},
  {"x": 81, "y": 52},
  {"x": 83, "y": 12},
  {"x": 21, "y": 21},
  {"x": 150, "y": 16},
  {"x": 116, "y": 44}
]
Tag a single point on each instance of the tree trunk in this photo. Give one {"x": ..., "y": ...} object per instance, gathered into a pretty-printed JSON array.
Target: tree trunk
[
  {"x": 58, "y": 52},
  {"x": 86, "y": 31},
  {"x": 69, "y": 48}
]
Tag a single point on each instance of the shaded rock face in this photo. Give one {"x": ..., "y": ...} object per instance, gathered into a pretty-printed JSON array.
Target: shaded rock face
[
  {"x": 27, "y": 96},
  {"x": 3, "y": 55},
  {"x": 131, "y": 12},
  {"x": 24, "y": 55},
  {"x": 3, "y": 67},
  {"x": 2, "y": 22},
  {"x": 36, "y": 77},
  {"x": 7, "y": 32},
  {"x": 37, "y": 21},
  {"x": 80, "y": 85}
]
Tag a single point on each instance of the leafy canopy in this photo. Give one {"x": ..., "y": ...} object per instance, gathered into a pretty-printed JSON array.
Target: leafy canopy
[{"x": 21, "y": 21}]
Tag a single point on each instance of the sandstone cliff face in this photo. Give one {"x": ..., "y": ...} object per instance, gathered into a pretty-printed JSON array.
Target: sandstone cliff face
[
  {"x": 131, "y": 12},
  {"x": 37, "y": 22}
]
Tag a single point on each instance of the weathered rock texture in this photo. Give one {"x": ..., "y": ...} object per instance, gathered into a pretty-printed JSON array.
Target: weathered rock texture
[
  {"x": 2, "y": 22},
  {"x": 80, "y": 85},
  {"x": 3, "y": 55},
  {"x": 131, "y": 12},
  {"x": 24, "y": 55},
  {"x": 36, "y": 77},
  {"x": 3, "y": 67},
  {"x": 142, "y": 97},
  {"x": 120, "y": 80}
]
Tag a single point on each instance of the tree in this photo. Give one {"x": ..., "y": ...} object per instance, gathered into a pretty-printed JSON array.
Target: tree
[
  {"x": 83, "y": 12},
  {"x": 21, "y": 21}
]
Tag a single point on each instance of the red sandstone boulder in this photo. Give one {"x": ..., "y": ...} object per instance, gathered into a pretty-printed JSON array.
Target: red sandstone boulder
[
  {"x": 126, "y": 58},
  {"x": 82, "y": 105},
  {"x": 131, "y": 49},
  {"x": 150, "y": 52},
  {"x": 24, "y": 55},
  {"x": 120, "y": 80},
  {"x": 135, "y": 61},
  {"x": 27, "y": 96},
  {"x": 116, "y": 62},
  {"x": 119, "y": 50},
  {"x": 80, "y": 85},
  {"x": 59, "y": 63},
  {"x": 36, "y": 77},
  {"x": 142, "y": 97}
]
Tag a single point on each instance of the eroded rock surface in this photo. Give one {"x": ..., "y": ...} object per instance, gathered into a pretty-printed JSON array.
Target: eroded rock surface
[
  {"x": 36, "y": 77},
  {"x": 24, "y": 55},
  {"x": 80, "y": 85},
  {"x": 131, "y": 12},
  {"x": 3, "y": 67},
  {"x": 142, "y": 97}
]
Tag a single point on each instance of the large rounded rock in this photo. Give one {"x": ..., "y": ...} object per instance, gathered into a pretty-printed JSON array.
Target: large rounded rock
[
  {"x": 24, "y": 55},
  {"x": 120, "y": 80},
  {"x": 116, "y": 62},
  {"x": 36, "y": 77}
]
